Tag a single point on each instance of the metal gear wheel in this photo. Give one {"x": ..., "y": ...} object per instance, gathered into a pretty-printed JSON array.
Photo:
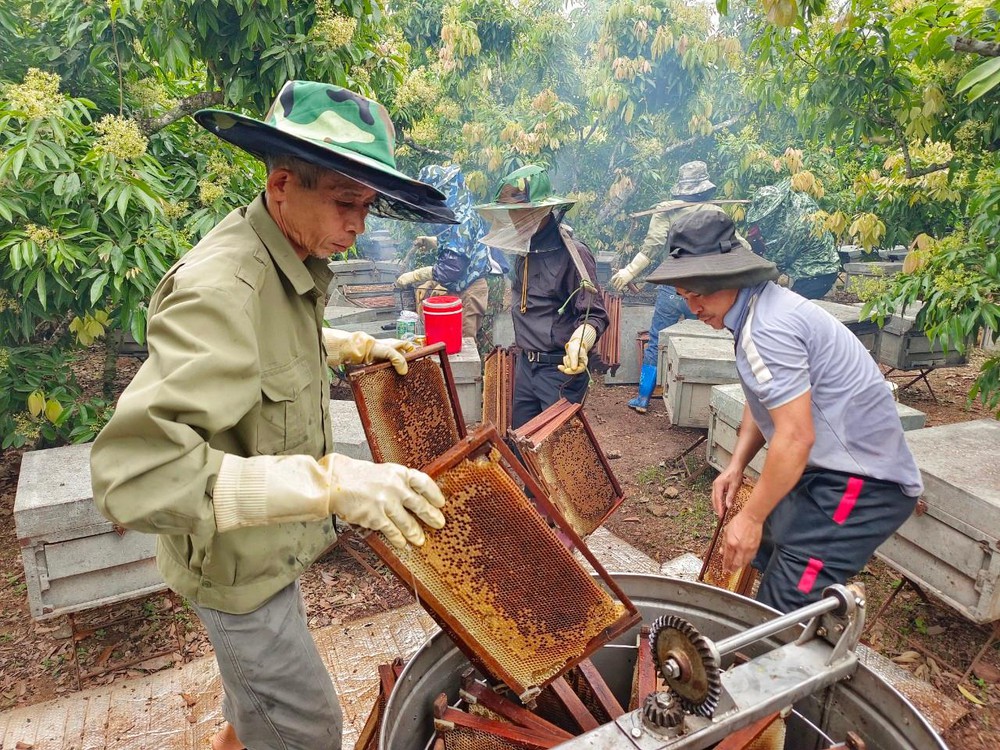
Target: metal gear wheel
[
  {"x": 662, "y": 710},
  {"x": 688, "y": 663}
]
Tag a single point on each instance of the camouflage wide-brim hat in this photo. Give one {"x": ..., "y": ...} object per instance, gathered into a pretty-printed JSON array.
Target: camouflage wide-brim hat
[
  {"x": 766, "y": 200},
  {"x": 692, "y": 179},
  {"x": 337, "y": 129},
  {"x": 527, "y": 187}
]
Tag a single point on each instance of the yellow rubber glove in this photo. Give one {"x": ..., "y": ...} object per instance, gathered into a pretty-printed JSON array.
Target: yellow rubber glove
[
  {"x": 358, "y": 348},
  {"x": 577, "y": 348},
  {"x": 387, "y": 498},
  {"x": 416, "y": 276},
  {"x": 624, "y": 277}
]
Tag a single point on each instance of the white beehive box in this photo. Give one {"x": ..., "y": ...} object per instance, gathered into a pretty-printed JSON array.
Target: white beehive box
[
  {"x": 467, "y": 369},
  {"x": 952, "y": 549},
  {"x": 73, "y": 557},
  {"x": 726, "y": 406},
  {"x": 693, "y": 365},
  {"x": 685, "y": 327}
]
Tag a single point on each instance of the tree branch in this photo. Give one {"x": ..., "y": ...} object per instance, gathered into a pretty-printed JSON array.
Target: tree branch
[
  {"x": 184, "y": 107},
  {"x": 968, "y": 44},
  {"x": 693, "y": 140},
  {"x": 423, "y": 149},
  {"x": 910, "y": 172}
]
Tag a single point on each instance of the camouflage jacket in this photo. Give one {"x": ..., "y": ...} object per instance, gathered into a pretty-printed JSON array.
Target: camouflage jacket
[{"x": 782, "y": 216}]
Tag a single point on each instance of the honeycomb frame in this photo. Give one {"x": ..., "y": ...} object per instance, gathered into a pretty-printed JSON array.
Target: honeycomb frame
[
  {"x": 409, "y": 419},
  {"x": 478, "y": 577},
  {"x": 740, "y": 581},
  {"x": 498, "y": 388},
  {"x": 556, "y": 445}
]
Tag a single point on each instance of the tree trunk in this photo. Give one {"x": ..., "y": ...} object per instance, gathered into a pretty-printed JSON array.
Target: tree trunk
[{"x": 112, "y": 345}]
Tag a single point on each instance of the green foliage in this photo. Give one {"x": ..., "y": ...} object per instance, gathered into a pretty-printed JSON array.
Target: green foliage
[
  {"x": 104, "y": 182},
  {"x": 958, "y": 282}
]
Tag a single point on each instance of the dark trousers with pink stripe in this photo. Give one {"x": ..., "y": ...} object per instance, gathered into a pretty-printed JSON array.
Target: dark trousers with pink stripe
[{"x": 823, "y": 532}]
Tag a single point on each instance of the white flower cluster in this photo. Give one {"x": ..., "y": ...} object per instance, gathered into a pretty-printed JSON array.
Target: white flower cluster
[
  {"x": 120, "y": 137},
  {"x": 37, "y": 97}
]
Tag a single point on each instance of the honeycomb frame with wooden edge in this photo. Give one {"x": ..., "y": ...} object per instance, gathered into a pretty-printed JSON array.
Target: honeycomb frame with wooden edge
[
  {"x": 409, "y": 419},
  {"x": 563, "y": 454},
  {"x": 739, "y": 581},
  {"x": 498, "y": 388},
  {"x": 498, "y": 579}
]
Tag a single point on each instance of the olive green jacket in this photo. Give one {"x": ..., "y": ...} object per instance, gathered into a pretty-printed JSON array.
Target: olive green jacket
[
  {"x": 654, "y": 246},
  {"x": 236, "y": 365}
]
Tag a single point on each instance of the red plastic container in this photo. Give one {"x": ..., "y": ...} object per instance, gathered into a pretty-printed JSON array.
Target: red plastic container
[{"x": 443, "y": 322}]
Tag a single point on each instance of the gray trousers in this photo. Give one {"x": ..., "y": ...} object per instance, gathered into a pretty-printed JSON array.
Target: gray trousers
[{"x": 278, "y": 694}]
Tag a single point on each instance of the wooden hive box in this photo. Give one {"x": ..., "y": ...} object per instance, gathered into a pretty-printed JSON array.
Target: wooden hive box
[
  {"x": 952, "y": 549},
  {"x": 74, "y": 558},
  {"x": 695, "y": 364}
]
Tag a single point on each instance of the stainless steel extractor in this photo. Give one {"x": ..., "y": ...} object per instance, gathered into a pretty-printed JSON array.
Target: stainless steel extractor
[{"x": 809, "y": 664}]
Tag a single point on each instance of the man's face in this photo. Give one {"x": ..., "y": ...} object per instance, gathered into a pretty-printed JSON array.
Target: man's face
[
  {"x": 710, "y": 308},
  {"x": 322, "y": 220}
]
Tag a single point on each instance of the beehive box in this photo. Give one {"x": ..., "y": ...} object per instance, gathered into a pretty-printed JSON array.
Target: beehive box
[
  {"x": 73, "y": 557},
  {"x": 952, "y": 550},
  {"x": 904, "y": 346},
  {"x": 867, "y": 331},
  {"x": 693, "y": 365},
  {"x": 467, "y": 369},
  {"x": 685, "y": 327},
  {"x": 726, "y": 407}
]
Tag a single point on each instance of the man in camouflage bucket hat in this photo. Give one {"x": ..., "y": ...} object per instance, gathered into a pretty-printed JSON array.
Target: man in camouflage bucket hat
[
  {"x": 557, "y": 317},
  {"x": 781, "y": 231},
  {"x": 221, "y": 444}
]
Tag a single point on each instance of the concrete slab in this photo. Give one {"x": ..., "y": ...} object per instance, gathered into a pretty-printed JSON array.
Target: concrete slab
[
  {"x": 348, "y": 432},
  {"x": 687, "y": 567}
]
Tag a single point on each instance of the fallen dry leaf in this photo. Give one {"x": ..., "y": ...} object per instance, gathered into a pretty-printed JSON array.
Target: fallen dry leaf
[
  {"x": 189, "y": 700},
  {"x": 971, "y": 696},
  {"x": 907, "y": 657},
  {"x": 23, "y": 745}
]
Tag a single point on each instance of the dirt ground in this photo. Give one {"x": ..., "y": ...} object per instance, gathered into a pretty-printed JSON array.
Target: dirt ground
[{"x": 666, "y": 512}]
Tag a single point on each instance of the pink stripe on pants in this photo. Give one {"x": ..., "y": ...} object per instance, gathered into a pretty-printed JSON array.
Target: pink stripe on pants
[
  {"x": 808, "y": 579},
  {"x": 848, "y": 500}
]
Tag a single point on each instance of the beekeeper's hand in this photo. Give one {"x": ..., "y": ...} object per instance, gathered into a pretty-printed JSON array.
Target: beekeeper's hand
[
  {"x": 387, "y": 498},
  {"x": 577, "y": 348},
  {"x": 416, "y": 276},
  {"x": 358, "y": 348},
  {"x": 624, "y": 277}
]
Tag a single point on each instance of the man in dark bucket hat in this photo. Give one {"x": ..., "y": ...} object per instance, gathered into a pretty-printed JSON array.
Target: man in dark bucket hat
[
  {"x": 692, "y": 192},
  {"x": 222, "y": 442},
  {"x": 838, "y": 478}
]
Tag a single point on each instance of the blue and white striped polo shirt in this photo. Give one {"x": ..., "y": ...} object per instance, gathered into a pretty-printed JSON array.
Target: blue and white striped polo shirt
[{"x": 786, "y": 346}]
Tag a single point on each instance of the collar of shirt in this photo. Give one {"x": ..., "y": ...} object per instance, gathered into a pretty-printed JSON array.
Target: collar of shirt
[
  {"x": 305, "y": 276},
  {"x": 733, "y": 320}
]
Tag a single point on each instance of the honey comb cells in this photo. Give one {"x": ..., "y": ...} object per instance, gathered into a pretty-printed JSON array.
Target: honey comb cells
[
  {"x": 563, "y": 454},
  {"x": 498, "y": 578},
  {"x": 408, "y": 420},
  {"x": 572, "y": 470},
  {"x": 739, "y": 581}
]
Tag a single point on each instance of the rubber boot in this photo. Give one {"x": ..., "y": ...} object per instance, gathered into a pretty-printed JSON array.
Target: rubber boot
[{"x": 647, "y": 382}]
